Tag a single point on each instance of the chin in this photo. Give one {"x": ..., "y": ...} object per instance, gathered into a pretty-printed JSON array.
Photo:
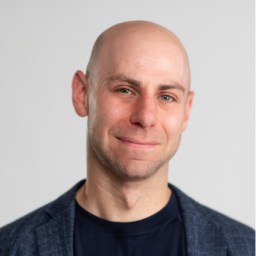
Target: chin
[{"x": 135, "y": 173}]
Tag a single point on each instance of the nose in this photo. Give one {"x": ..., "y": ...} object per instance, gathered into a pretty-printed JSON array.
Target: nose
[{"x": 144, "y": 112}]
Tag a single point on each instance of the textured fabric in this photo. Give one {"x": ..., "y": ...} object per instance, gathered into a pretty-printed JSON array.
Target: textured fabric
[
  {"x": 49, "y": 230},
  {"x": 161, "y": 234}
]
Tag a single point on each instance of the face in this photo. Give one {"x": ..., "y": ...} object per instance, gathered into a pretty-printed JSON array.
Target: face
[{"x": 138, "y": 106}]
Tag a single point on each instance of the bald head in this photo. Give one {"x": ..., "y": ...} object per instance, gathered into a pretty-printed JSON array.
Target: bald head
[
  {"x": 137, "y": 37},
  {"x": 137, "y": 99}
]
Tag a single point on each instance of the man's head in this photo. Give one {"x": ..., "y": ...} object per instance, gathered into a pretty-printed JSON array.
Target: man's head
[
  {"x": 127, "y": 34},
  {"x": 137, "y": 98}
]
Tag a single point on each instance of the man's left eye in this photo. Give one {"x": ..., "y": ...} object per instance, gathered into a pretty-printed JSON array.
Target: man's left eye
[{"x": 167, "y": 98}]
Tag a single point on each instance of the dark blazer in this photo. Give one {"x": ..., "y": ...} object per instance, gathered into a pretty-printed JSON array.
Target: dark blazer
[{"x": 48, "y": 231}]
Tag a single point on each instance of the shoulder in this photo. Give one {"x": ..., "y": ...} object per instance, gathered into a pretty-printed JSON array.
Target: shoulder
[
  {"x": 22, "y": 232},
  {"x": 214, "y": 228},
  {"x": 17, "y": 233}
]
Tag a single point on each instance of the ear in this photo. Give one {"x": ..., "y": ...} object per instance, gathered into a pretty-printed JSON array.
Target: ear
[
  {"x": 79, "y": 93},
  {"x": 188, "y": 109}
]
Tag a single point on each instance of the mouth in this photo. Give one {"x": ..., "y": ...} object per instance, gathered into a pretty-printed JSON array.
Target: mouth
[{"x": 137, "y": 143}]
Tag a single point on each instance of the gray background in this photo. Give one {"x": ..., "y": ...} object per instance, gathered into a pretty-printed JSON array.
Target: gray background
[{"x": 42, "y": 141}]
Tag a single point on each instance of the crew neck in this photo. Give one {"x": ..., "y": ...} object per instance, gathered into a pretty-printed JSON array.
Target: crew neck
[{"x": 97, "y": 224}]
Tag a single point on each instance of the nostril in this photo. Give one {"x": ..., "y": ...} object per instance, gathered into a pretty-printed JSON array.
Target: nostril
[{"x": 143, "y": 118}]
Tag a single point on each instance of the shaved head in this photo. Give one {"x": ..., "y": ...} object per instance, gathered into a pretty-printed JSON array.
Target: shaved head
[
  {"x": 145, "y": 33},
  {"x": 137, "y": 98}
]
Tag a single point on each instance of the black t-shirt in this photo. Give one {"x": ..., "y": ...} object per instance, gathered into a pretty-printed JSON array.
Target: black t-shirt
[{"x": 158, "y": 235}]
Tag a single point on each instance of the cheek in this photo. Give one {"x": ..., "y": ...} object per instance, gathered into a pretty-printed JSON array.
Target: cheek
[
  {"x": 104, "y": 114},
  {"x": 173, "y": 123}
]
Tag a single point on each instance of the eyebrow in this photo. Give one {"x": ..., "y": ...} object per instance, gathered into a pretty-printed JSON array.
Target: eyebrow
[{"x": 138, "y": 83}]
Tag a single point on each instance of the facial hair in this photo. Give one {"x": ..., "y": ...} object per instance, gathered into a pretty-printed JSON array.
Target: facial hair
[{"x": 124, "y": 168}]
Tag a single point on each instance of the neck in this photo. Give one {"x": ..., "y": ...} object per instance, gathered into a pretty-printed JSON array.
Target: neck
[{"x": 124, "y": 201}]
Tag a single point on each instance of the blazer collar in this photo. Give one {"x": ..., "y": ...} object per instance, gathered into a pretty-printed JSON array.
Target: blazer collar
[
  {"x": 202, "y": 238},
  {"x": 56, "y": 236}
]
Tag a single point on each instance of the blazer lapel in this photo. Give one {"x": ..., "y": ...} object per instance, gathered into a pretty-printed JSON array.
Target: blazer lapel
[
  {"x": 202, "y": 238},
  {"x": 56, "y": 237}
]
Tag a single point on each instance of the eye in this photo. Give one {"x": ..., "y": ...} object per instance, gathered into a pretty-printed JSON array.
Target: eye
[
  {"x": 124, "y": 91},
  {"x": 167, "y": 98}
]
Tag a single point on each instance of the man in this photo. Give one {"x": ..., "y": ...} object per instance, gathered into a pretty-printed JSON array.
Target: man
[{"x": 136, "y": 94}]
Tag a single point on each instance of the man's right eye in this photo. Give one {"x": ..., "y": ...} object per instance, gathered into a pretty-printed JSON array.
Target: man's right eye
[{"x": 124, "y": 91}]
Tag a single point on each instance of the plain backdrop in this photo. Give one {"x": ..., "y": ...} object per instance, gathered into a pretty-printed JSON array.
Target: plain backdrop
[{"x": 42, "y": 140}]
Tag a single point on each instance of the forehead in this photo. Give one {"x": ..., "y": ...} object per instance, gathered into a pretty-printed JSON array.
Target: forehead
[{"x": 146, "y": 55}]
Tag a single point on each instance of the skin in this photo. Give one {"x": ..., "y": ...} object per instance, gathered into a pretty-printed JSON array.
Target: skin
[{"x": 137, "y": 98}]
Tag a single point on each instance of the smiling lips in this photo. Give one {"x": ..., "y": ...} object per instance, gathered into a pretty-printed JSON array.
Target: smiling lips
[{"x": 137, "y": 143}]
